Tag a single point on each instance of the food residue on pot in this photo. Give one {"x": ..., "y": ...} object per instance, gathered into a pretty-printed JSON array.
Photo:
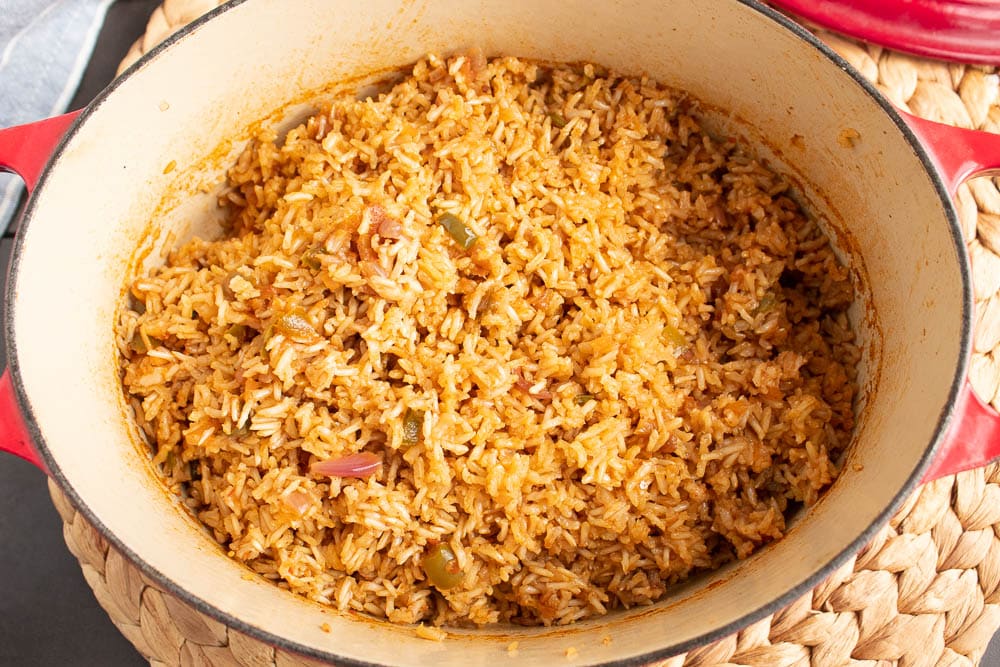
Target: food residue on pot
[
  {"x": 431, "y": 633},
  {"x": 848, "y": 137}
]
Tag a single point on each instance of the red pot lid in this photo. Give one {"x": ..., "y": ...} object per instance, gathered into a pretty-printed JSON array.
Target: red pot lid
[{"x": 963, "y": 30}]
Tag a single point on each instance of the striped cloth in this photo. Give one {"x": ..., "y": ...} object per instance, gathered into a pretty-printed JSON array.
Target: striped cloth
[{"x": 44, "y": 47}]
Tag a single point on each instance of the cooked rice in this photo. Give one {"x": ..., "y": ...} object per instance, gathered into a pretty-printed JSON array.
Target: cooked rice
[{"x": 623, "y": 254}]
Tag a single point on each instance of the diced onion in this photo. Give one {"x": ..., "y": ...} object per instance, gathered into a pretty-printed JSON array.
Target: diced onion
[
  {"x": 298, "y": 501},
  {"x": 295, "y": 325},
  {"x": 361, "y": 465}
]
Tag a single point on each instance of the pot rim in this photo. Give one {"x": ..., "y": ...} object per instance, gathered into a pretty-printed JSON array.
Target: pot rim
[{"x": 810, "y": 582}]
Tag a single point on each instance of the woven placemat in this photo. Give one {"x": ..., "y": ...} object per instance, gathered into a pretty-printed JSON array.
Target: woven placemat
[{"x": 925, "y": 591}]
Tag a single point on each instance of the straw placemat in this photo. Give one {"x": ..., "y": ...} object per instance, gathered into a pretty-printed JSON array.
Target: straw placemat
[{"x": 925, "y": 591}]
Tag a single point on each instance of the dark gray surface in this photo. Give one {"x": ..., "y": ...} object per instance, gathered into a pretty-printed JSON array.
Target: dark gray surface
[{"x": 48, "y": 614}]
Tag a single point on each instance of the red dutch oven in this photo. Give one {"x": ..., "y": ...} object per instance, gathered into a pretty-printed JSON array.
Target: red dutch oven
[{"x": 105, "y": 204}]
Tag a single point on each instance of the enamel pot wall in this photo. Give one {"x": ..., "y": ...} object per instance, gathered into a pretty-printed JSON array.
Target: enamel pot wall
[{"x": 104, "y": 198}]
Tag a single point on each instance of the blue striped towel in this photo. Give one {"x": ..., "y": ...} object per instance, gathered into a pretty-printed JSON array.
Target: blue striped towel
[{"x": 44, "y": 47}]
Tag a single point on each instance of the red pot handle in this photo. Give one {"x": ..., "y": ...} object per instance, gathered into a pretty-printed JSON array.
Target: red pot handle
[
  {"x": 958, "y": 153},
  {"x": 14, "y": 437},
  {"x": 25, "y": 150},
  {"x": 973, "y": 439}
]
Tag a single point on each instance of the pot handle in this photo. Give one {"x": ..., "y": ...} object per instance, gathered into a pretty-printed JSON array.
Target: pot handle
[
  {"x": 14, "y": 437},
  {"x": 973, "y": 438},
  {"x": 25, "y": 150}
]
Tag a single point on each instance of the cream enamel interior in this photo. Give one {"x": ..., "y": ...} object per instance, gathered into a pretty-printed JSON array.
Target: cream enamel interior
[{"x": 96, "y": 203}]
